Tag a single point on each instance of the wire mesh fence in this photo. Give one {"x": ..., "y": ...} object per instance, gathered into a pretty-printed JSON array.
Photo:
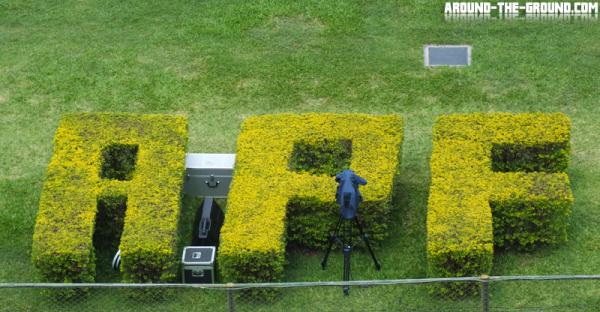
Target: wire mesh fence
[{"x": 497, "y": 293}]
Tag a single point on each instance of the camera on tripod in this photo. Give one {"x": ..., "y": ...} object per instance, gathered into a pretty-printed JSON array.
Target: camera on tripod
[
  {"x": 348, "y": 198},
  {"x": 347, "y": 195}
]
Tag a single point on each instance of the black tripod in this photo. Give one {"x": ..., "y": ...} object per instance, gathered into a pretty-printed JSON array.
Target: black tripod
[{"x": 344, "y": 226}]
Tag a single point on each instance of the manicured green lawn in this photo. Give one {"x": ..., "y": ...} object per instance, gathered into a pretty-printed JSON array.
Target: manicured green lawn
[{"x": 220, "y": 61}]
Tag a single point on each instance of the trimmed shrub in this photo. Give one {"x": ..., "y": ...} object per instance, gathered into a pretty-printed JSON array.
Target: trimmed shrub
[
  {"x": 496, "y": 180},
  {"x": 118, "y": 161},
  {"x": 283, "y": 192},
  {"x": 106, "y": 167},
  {"x": 321, "y": 157}
]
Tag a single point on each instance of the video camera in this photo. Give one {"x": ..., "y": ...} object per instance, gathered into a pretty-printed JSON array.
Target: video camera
[
  {"x": 348, "y": 197},
  {"x": 347, "y": 194}
]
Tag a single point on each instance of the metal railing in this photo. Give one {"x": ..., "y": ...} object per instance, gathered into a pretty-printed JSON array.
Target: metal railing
[{"x": 484, "y": 293}]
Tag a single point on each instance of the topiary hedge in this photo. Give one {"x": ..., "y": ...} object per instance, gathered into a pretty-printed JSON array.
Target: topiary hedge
[
  {"x": 283, "y": 190},
  {"x": 496, "y": 180},
  {"x": 107, "y": 167}
]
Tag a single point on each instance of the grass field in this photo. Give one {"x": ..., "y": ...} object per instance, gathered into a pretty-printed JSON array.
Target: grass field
[{"x": 220, "y": 61}]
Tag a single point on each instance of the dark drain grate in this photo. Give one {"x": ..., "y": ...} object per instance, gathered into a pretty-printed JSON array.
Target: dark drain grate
[{"x": 447, "y": 55}]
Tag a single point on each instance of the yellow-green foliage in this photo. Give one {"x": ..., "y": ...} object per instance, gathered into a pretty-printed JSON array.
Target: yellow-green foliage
[
  {"x": 62, "y": 242},
  {"x": 270, "y": 204},
  {"x": 496, "y": 179}
]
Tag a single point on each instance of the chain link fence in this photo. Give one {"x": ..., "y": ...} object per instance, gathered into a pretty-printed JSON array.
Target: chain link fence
[{"x": 496, "y": 293}]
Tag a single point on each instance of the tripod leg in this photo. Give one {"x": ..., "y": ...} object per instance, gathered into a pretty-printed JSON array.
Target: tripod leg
[
  {"x": 347, "y": 251},
  {"x": 331, "y": 240},
  {"x": 366, "y": 239}
]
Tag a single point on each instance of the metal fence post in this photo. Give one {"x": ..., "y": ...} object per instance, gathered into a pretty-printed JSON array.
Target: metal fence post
[
  {"x": 230, "y": 298},
  {"x": 485, "y": 293}
]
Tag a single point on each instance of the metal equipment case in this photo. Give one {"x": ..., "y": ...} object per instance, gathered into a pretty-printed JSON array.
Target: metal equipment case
[{"x": 198, "y": 264}]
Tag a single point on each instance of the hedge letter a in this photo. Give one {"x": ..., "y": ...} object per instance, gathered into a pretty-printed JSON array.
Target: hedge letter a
[{"x": 111, "y": 176}]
